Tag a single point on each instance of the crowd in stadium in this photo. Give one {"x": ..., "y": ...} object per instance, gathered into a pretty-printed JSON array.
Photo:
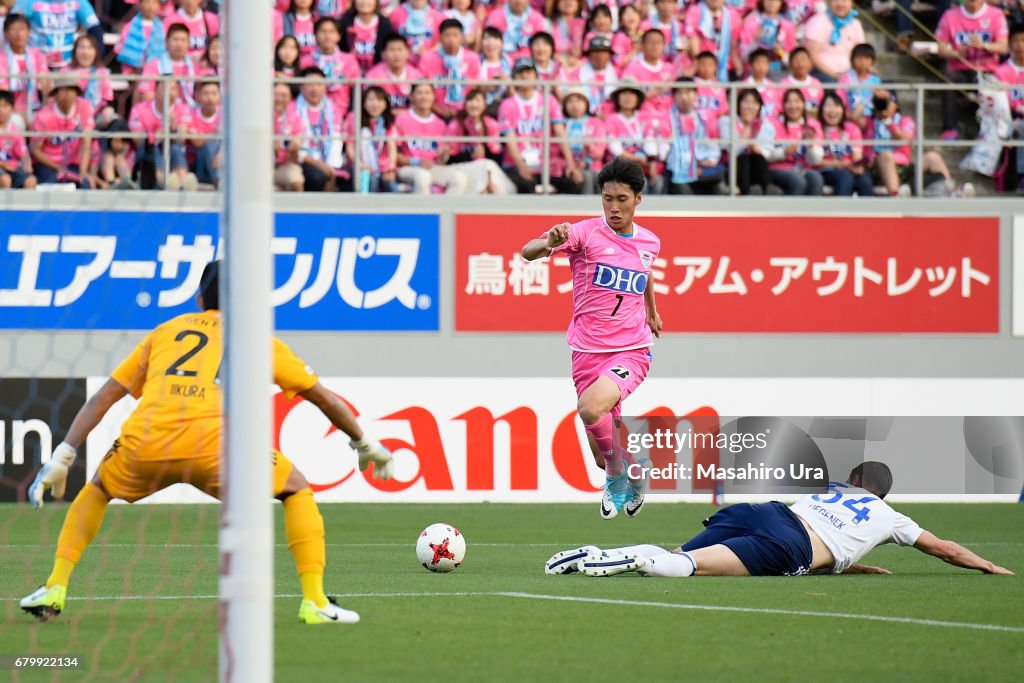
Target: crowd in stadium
[{"x": 648, "y": 75}]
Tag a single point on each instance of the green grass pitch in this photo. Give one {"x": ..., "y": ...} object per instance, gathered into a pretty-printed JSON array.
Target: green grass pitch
[{"x": 141, "y": 606}]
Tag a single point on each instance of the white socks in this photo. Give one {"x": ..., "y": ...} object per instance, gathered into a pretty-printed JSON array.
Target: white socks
[
  {"x": 644, "y": 550},
  {"x": 669, "y": 564}
]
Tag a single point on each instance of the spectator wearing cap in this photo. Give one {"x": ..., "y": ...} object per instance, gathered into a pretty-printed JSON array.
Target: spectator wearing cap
[
  {"x": 830, "y": 37},
  {"x": 713, "y": 27},
  {"x": 450, "y": 61},
  {"x": 518, "y": 22},
  {"x": 587, "y": 137},
  {"x": 60, "y": 157},
  {"x": 521, "y": 120},
  {"x": 651, "y": 68},
  {"x": 767, "y": 28},
  {"x": 629, "y": 131},
  {"x": 972, "y": 37},
  {"x": 596, "y": 75},
  {"x": 692, "y": 162}
]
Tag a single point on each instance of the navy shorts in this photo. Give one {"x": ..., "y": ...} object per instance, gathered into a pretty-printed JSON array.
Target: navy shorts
[{"x": 767, "y": 537}]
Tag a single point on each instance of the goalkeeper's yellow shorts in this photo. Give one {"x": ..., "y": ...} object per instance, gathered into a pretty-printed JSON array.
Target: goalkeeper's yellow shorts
[{"x": 122, "y": 475}]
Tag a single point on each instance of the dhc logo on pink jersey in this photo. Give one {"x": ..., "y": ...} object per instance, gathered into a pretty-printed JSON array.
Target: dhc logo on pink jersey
[{"x": 620, "y": 279}]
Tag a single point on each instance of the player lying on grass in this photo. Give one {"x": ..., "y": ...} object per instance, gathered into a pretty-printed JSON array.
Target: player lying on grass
[
  {"x": 173, "y": 436},
  {"x": 821, "y": 533},
  {"x": 614, "y": 319}
]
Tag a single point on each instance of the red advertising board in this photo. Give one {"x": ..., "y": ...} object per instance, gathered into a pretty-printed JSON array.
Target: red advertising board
[{"x": 786, "y": 274}]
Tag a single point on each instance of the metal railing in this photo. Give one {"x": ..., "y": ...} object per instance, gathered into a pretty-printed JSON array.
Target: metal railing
[{"x": 731, "y": 142}]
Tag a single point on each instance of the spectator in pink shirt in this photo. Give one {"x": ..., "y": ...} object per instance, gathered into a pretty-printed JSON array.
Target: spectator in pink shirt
[
  {"x": 335, "y": 64},
  {"x": 15, "y": 163},
  {"x": 287, "y": 171},
  {"x": 206, "y": 119},
  {"x": 711, "y": 26},
  {"x": 473, "y": 121},
  {"x": 767, "y": 28},
  {"x": 419, "y": 24},
  {"x": 297, "y": 21},
  {"x": 587, "y": 137},
  {"x": 830, "y": 37},
  {"x": 450, "y": 61},
  {"x": 651, "y": 68},
  {"x": 202, "y": 25},
  {"x": 626, "y": 41},
  {"x": 59, "y": 157},
  {"x": 363, "y": 31},
  {"x": 149, "y": 117},
  {"x": 175, "y": 62},
  {"x": 378, "y": 152},
  {"x": 568, "y": 26},
  {"x": 397, "y": 72},
  {"x": 17, "y": 57},
  {"x": 518, "y": 22},
  {"x": 209, "y": 65},
  {"x": 93, "y": 78}
]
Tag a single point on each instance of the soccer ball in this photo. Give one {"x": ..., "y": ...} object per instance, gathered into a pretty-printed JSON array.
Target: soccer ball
[{"x": 441, "y": 548}]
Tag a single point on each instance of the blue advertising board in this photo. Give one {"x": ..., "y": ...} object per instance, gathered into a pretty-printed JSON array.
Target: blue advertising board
[{"x": 115, "y": 270}]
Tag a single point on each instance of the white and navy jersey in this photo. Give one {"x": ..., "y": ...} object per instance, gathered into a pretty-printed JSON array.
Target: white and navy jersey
[{"x": 851, "y": 521}]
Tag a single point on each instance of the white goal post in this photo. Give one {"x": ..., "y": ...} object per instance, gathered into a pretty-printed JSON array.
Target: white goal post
[{"x": 246, "y": 537}]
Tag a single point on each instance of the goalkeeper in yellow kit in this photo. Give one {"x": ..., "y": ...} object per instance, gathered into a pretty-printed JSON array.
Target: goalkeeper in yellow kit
[{"x": 173, "y": 436}]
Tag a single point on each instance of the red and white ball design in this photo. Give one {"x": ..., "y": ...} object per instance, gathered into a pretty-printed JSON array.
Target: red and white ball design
[{"x": 441, "y": 548}]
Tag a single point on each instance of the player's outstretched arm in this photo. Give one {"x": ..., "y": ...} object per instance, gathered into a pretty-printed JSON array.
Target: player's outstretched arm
[
  {"x": 541, "y": 247},
  {"x": 341, "y": 417},
  {"x": 865, "y": 569},
  {"x": 54, "y": 475},
  {"x": 955, "y": 554}
]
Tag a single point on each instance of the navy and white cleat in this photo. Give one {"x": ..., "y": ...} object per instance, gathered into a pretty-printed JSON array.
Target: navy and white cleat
[
  {"x": 565, "y": 562},
  {"x": 603, "y": 564}
]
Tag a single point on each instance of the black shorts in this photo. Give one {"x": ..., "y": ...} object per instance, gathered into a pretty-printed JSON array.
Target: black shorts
[{"x": 767, "y": 537}]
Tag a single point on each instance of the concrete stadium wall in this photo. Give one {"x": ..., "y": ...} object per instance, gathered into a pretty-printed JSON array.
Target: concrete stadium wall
[{"x": 60, "y": 354}]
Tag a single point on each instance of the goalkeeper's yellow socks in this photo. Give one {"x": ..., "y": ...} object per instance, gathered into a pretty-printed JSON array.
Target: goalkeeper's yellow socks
[
  {"x": 80, "y": 526},
  {"x": 304, "y": 529}
]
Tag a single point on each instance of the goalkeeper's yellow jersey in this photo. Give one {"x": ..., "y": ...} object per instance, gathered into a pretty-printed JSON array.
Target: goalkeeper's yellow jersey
[{"x": 176, "y": 372}]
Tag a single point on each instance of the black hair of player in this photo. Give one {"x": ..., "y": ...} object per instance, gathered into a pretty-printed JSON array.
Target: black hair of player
[
  {"x": 623, "y": 171},
  {"x": 7, "y": 96},
  {"x": 13, "y": 19},
  {"x": 178, "y": 28},
  {"x": 209, "y": 286},
  {"x": 491, "y": 32},
  {"x": 449, "y": 23},
  {"x": 759, "y": 53},
  {"x": 873, "y": 476},
  {"x": 542, "y": 36},
  {"x": 314, "y": 71},
  {"x": 863, "y": 50},
  {"x": 325, "y": 21},
  {"x": 395, "y": 38}
]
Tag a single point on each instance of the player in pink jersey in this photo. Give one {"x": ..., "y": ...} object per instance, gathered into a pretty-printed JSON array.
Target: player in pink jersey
[
  {"x": 333, "y": 62},
  {"x": 450, "y": 61},
  {"x": 517, "y": 22},
  {"x": 205, "y": 119},
  {"x": 175, "y": 61},
  {"x": 15, "y": 163},
  {"x": 202, "y": 25},
  {"x": 363, "y": 30},
  {"x": 418, "y": 23},
  {"x": 972, "y": 37},
  {"x": 395, "y": 72},
  {"x": 614, "y": 319},
  {"x": 61, "y": 158},
  {"x": 297, "y": 21},
  {"x": 799, "y": 77},
  {"x": 651, "y": 67},
  {"x": 17, "y": 57}
]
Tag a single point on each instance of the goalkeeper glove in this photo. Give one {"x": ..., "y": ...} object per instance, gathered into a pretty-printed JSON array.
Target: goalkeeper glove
[
  {"x": 372, "y": 451},
  {"x": 53, "y": 476}
]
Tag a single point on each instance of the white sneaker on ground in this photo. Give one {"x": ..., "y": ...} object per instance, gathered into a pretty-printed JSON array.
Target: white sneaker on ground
[
  {"x": 565, "y": 561},
  {"x": 603, "y": 564}
]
